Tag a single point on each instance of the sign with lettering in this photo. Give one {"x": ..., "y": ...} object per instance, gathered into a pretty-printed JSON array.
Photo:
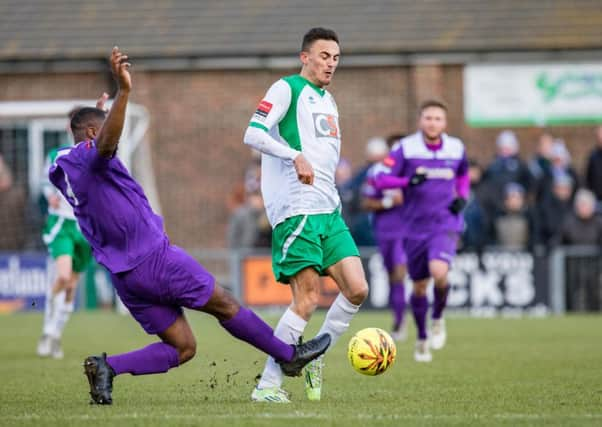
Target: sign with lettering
[{"x": 532, "y": 94}]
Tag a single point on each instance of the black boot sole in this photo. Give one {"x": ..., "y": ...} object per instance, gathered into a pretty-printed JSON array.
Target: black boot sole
[{"x": 90, "y": 369}]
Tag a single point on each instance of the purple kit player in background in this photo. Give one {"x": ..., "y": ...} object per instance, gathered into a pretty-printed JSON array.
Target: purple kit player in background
[
  {"x": 153, "y": 278},
  {"x": 388, "y": 232},
  {"x": 431, "y": 213}
]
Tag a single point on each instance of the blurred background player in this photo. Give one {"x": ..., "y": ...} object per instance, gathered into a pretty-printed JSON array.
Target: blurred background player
[
  {"x": 431, "y": 213},
  {"x": 386, "y": 222},
  {"x": 153, "y": 278},
  {"x": 71, "y": 253},
  {"x": 296, "y": 128}
]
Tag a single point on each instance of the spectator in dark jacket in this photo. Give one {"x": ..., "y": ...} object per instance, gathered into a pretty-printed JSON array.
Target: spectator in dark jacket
[
  {"x": 514, "y": 227},
  {"x": 553, "y": 209},
  {"x": 248, "y": 226},
  {"x": 582, "y": 226},
  {"x": 477, "y": 223},
  {"x": 593, "y": 176},
  {"x": 561, "y": 163},
  {"x": 505, "y": 169},
  {"x": 540, "y": 166}
]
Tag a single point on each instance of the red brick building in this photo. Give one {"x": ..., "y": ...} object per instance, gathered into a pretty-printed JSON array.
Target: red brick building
[{"x": 201, "y": 67}]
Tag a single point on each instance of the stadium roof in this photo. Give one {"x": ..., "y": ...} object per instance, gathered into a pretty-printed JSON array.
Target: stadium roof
[{"x": 70, "y": 29}]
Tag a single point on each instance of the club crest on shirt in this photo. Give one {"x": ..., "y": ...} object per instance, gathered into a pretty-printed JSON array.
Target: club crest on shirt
[{"x": 326, "y": 125}]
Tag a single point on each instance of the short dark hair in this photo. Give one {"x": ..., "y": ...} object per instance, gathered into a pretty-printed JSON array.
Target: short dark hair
[
  {"x": 85, "y": 117},
  {"x": 74, "y": 111},
  {"x": 432, "y": 103},
  {"x": 315, "y": 34}
]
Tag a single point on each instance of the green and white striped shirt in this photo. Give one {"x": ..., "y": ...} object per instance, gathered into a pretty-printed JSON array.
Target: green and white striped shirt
[{"x": 296, "y": 116}]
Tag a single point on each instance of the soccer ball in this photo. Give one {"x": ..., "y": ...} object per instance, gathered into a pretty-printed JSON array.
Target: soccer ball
[{"x": 371, "y": 351}]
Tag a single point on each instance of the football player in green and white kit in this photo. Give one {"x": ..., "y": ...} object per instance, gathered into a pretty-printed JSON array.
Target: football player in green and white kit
[
  {"x": 296, "y": 128},
  {"x": 72, "y": 254}
]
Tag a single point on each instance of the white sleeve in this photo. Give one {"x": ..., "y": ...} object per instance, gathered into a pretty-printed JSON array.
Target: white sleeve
[{"x": 269, "y": 113}]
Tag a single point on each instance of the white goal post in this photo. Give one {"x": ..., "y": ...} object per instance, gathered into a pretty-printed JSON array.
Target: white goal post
[{"x": 40, "y": 116}]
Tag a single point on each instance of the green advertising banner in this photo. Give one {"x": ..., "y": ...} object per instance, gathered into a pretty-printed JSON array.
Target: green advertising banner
[{"x": 533, "y": 94}]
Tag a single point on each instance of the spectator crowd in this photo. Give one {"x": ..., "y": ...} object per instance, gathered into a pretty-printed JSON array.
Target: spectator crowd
[{"x": 515, "y": 203}]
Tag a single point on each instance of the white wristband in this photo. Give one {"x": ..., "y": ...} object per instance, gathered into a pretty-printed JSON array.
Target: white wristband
[{"x": 387, "y": 202}]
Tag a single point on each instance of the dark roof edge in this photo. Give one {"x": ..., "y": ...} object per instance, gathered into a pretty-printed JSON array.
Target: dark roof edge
[{"x": 183, "y": 63}]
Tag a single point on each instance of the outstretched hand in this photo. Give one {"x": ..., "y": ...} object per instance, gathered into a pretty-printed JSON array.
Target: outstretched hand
[
  {"x": 120, "y": 67},
  {"x": 100, "y": 102},
  {"x": 108, "y": 137}
]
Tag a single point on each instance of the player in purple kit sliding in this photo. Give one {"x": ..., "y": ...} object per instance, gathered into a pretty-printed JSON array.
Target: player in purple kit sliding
[
  {"x": 153, "y": 278},
  {"x": 387, "y": 223},
  {"x": 431, "y": 213}
]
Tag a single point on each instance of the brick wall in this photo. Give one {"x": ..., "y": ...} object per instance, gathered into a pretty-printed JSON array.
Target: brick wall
[
  {"x": 198, "y": 123},
  {"x": 198, "y": 119}
]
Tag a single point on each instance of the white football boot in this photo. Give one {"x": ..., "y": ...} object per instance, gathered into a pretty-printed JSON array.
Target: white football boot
[
  {"x": 400, "y": 334},
  {"x": 422, "y": 353},
  {"x": 438, "y": 334},
  {"x": 44, "y": 346}
]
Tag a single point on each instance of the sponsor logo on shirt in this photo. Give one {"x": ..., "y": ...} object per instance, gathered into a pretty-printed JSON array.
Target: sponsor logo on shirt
[
  {"x": 263, "y": 109},
  {"x": 326, "y": 125},
  {"x": 436, "y": 173}
]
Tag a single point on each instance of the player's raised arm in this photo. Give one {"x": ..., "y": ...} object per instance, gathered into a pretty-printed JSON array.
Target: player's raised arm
[{"x": 108, "y": 137}]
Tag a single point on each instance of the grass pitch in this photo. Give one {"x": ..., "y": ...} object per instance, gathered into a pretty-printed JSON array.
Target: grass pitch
[{"x": 492, "y": 372}]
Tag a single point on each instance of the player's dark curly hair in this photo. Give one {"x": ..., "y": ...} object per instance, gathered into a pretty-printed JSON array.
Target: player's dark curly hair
[
  {"x": 86, "y": 117},
  {"x": 317, "y": 33},
  {"x": 432, "y": 103}
]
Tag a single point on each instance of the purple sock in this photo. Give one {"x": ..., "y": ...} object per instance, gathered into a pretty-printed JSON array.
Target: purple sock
[
  {"x": 152, "y": 359},
  {"x": 397, "y": 300},
  {"x": 440, "y": 301},
  {"x": 420, "y": 306},
  {"x": 247, "y": 326}
]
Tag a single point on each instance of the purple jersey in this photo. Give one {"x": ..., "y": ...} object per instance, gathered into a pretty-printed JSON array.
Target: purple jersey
[
  {"x": 386, "y": 223},
  {"x": 426, "y": 206},
  {"x": 111, "y": 208}
]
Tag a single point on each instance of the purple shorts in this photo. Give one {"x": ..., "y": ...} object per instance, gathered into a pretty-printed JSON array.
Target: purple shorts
[
  {"x": 392, "y": 252},
  {"x": 156, "y": 290},
  {"x": 441, "y": 246}
]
